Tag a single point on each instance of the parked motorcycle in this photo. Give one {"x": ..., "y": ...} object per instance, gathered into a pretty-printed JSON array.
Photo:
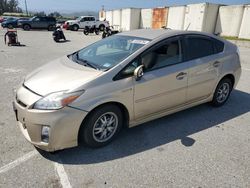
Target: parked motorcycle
[
  {"x": 108, "y": 31},
  {"x": 92, "y": 29},
  {"x": 58, "y": 35}
]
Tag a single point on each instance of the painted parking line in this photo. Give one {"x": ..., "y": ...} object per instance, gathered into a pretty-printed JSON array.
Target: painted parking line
[
  {"x": 64, "y": 180},
  {"x": 18, "y": 161}
]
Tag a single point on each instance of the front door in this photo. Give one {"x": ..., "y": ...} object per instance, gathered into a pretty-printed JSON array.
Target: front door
[{"x": 164, "y": 83}]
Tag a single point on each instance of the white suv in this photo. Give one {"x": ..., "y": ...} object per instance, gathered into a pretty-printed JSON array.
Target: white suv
[{"x": 83, "y": 21}]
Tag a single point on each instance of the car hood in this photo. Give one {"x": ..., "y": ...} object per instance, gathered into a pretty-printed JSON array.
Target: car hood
[
  {"x": 72, "y": 21},
  {"x": 59, "y": 75}
]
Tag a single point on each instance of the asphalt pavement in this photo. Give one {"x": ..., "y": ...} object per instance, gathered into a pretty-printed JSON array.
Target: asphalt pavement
[{"x": 199, "y": 147}]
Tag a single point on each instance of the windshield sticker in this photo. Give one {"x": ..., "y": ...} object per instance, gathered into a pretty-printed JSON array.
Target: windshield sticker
[
  {"x": 107, "y": 65},
  {"x": 140, "y": 42}
]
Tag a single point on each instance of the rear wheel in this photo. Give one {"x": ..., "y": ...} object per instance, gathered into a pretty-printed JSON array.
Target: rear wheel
[
  {"x": 102, "y": 27},
  {"x": 102, "y": 126},
  {"x": 75, "y": 27},
  {"x": 222, "y": 92},
  {"x": 26, "y": 27}
]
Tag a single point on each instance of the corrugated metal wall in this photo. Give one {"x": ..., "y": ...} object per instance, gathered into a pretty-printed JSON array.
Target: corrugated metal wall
[
  {"x": 207, "y": 17},
  {"x": 229, "y": 20},
  {"x": 245, "y": 24},
  {"x": 176, "y": 16},
  {"x": 146, "y": 18},
  {"x": 130, "y": 19},
  {"x": 159, "y": 18},
  {"x": 117, "y": 18},
  {"x": 109, "y": 17},
  {"x": 201, "y": 17}
]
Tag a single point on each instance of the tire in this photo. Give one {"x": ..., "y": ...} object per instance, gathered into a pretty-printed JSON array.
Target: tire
[
  {"x": 222, "y": 92},
  {"x": 10, "y": 26},
  {"x": 97, "y": 32},
  {"x": 101, "y": 27},
  {"x": 86, "y": 32},
  {"x": 56, "y": 39},
  {"x": 75, "y": 27},
  {"x": 50, "y": 28},
  {"x": 95, "y": 121},
  {"x": 26, "y": 27}
]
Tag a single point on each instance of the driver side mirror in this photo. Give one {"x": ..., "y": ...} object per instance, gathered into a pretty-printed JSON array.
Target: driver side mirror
[{"x": 138, "y": 73}]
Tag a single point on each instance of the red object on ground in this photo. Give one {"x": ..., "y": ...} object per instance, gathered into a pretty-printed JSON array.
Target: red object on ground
[
  {"x": 1, "y": 19},
  {"x": 65, "y": 25}
]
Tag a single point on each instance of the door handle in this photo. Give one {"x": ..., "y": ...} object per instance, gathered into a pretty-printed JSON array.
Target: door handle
[
  {"x": 181, "y": 75},
  {"x": 216, "y": 64}
]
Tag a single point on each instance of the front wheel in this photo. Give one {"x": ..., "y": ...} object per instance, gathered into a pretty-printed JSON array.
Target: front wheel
[
  {"x": 222, "y": 92},
  {"x": 75, "y": 27},
  {"x": 26, "y": 27},
  {"x": 102, "y": 126},
  {"x": 85, "y": 32}
]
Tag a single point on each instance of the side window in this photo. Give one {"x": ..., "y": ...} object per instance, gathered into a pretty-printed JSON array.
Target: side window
[
  {"x": 165, "y": 55},
  {"x": 92, "y": 19},
  {"x": 43, "y": 19},
  {"x": 84, "y": 19},
  {"x": 37, "y": 19},
  {"x": 198, "y": 47}
]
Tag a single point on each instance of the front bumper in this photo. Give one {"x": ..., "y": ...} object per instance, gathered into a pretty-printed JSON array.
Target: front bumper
[{"x": 64, "y": 123}]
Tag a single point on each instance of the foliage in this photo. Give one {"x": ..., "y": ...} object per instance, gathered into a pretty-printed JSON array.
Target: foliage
[
  {"x": 55, "y": 14},
  {"x": 9, "y": 6},
  {"x": 42, "y": 13}
]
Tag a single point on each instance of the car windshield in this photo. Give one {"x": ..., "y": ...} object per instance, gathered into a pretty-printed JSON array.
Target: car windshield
[
  {"x": 32, "y": 18},
  {"x": 108, "y": 52}
]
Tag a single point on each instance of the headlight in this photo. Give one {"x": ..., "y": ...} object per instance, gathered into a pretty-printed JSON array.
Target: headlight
[{"x": 58, "y": 100}]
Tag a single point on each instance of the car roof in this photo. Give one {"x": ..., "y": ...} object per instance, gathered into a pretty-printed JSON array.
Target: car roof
[{"x": 152, "y": 34}]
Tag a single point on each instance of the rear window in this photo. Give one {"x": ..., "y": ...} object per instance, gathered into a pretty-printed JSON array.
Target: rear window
[
  {"x": 219, "y": 46},
  {"x": 51, "y": 19},
  {"x": 198, "y": 47}
]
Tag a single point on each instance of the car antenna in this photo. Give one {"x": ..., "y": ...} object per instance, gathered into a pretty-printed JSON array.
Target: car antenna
[{"x": 188, "y": 26}]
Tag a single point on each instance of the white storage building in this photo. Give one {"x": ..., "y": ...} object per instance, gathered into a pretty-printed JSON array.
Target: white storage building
[
  {"x": 245, "y": 24},
  {"x": 201, "y": 17},
  {"x": 117, "y": 18},
  {"x": 176, "y": 17},
  {"x": 146, "y": 18},
  {"x": 229, "y": 20},
  {"x": 109, "y": 17},
  {"x": 130, "y": 19}
]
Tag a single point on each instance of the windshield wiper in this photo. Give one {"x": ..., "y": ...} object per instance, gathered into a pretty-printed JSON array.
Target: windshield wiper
[{"x": 75, "y": 57}]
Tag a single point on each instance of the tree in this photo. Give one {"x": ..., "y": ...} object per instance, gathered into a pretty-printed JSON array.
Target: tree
[
  {"x": 42, "y": 13},
  {"x": 9, "y": 6},
  {"x": 55, "y": 14}
]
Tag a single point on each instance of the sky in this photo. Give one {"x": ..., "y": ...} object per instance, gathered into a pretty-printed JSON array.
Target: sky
[{"x": 95, "y": 5}]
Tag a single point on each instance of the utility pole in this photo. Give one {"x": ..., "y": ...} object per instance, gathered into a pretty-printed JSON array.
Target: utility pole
[{"x": 26, "y": 8}]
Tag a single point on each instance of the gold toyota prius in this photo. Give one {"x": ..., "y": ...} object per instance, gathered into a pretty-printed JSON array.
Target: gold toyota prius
[{"x": 123, "y": 80}]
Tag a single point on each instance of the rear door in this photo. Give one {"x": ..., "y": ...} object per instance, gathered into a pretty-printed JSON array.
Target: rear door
[{"x": 204, "y": 66}]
